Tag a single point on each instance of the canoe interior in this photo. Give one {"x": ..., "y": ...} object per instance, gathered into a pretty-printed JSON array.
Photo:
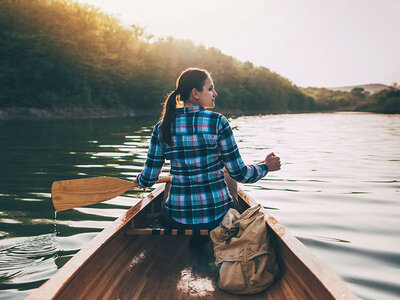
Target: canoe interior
[{"x": 164, "y": 267}]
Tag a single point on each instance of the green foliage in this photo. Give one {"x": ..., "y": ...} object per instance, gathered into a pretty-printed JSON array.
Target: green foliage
[
  {"x": 58, "y": 53},
  {"x": 387, "y": 101},
  {"x": 332, "y": 100},
  {"x": 358, "y": 92}
]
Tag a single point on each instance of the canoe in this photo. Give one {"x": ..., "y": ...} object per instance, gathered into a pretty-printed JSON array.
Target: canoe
[{"x": 118, "y": 264}]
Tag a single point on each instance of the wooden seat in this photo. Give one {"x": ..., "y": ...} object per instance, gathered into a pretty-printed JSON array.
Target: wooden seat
[
  {"x": 159, "y": 227},
  {"x": 166, "y": 231}
]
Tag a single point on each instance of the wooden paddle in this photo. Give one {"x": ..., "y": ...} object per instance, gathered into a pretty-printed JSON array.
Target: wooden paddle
[
  {"x": 73, "y": 193},
  {"x": 69, "y": 194}
]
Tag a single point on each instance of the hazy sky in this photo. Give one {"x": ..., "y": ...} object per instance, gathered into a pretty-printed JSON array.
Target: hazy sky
[{"x": 311, "y": 42}]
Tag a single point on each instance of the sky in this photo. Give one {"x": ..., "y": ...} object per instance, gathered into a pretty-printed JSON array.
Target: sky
[{"x": 310, "y": 42}]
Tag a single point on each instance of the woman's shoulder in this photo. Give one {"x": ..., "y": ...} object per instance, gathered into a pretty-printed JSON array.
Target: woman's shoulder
[
  {"x": 214, "y": 115},
  {"x": 157, "y": 129},
  {"x": 218, "y": 120}
]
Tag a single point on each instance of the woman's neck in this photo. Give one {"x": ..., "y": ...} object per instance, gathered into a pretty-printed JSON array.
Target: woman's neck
[{"x": 190, "y": 103}]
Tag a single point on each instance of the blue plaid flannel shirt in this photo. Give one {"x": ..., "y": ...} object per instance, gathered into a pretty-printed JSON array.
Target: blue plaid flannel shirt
[{"x": 203, "y": 144}]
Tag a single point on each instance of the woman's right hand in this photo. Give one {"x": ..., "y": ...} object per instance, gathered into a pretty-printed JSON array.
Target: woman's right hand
[
  {"x": 273, "y": 162},
  {"x": 135, "y": 182}
]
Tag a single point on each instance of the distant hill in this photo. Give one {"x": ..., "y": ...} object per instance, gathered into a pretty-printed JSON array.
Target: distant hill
[{"x": 371, "y": 88}]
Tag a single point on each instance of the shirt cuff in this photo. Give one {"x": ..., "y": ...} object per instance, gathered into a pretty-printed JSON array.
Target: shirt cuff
[
  {"x": 139, "y": 181},
  {"x": 264, "y": 169}
]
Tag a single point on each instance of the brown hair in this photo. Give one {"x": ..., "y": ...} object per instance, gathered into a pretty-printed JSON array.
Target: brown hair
[{"x": 188, "y": 80}]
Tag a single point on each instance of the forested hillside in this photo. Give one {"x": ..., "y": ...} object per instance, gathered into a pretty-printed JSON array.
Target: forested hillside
[
  {"x": 56, "y": 53},
  {"x": 384, "y": 101}
]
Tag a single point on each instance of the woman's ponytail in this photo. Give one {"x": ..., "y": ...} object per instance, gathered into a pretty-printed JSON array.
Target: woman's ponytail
[
  {"x": 188, "y": 80},
  {"x": 167, "y": 116}
]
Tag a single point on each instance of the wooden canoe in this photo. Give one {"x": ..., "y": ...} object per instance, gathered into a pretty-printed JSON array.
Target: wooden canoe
[{"x": 116, "y": 265}]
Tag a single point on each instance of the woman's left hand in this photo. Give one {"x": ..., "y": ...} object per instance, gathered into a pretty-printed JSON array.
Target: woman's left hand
[{"x": 273, "y": 162}]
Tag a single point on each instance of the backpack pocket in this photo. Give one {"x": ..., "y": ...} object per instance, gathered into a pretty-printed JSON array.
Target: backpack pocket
[
  {"x": 246, "y": 276},
  {"x": 258, "y": 272},
  {"x": 231, "y": 277}
]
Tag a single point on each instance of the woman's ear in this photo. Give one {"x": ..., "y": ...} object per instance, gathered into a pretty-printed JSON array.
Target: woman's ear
[{"x": 195, "y": 93}]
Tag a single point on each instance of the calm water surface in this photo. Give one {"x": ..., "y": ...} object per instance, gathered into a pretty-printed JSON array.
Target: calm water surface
[{"x": 338, "y": 190}]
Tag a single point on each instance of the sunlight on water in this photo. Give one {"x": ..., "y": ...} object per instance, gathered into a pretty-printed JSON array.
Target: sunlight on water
[{"x": 338, "y": 190}]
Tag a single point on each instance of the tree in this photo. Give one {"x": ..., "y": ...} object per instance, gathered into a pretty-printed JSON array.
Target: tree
[{"x": 60, "y": 53}]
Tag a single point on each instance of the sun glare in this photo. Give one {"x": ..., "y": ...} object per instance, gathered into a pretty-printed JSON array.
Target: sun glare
[{"x": 310, "y": 43}]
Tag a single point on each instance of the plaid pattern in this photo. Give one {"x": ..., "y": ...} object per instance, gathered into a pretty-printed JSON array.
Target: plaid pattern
[{"x": 203, "y": 145}]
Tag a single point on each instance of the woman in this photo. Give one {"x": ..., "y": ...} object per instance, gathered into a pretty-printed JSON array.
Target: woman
[{"x": 200, "y": 144}]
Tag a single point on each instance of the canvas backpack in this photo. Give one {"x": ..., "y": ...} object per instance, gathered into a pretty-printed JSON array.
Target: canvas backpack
[{"x": 246, "y": 260}]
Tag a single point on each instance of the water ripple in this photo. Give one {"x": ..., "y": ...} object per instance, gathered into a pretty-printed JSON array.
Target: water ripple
[
  {"x": 18, "y": 255},
  {"x": 386, "y": 257}
]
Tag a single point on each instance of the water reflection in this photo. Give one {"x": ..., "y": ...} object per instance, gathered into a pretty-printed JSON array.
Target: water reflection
[
  {"x": 338, "y": 190},
  {"x": 34, "y": 154},
  {"x": 24, "y": 259}
]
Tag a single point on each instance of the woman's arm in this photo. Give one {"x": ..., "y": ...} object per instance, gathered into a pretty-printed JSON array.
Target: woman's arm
[
  {"x": 155, "y": 161},
  {"x": 232, "y": 159}
]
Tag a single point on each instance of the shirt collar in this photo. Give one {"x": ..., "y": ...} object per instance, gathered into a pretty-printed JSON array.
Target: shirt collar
[{"x": 188, "y": 109}]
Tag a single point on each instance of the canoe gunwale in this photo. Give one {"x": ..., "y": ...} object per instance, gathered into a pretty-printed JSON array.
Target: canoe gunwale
[
  {"x": 56, "y": 284},
  {"x": 331, "y": 282}
]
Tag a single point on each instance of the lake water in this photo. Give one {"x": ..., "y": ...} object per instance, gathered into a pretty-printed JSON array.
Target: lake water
[{"x": 338, "y": 190}]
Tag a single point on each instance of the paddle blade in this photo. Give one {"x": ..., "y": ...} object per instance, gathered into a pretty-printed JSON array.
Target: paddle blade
[{"x": 69, "y": 194}]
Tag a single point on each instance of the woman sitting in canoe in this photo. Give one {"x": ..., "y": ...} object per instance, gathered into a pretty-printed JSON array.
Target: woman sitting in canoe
[{"x": 200, "y": 144}]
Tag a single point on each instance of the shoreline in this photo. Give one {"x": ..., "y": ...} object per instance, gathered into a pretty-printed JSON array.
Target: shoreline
[{"x": 31, "y": 113}]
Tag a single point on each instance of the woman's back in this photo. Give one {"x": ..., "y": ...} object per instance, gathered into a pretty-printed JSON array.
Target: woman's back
[
  {"x": 198, "y": 191},
  {"x": 195, "y": 153}
]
